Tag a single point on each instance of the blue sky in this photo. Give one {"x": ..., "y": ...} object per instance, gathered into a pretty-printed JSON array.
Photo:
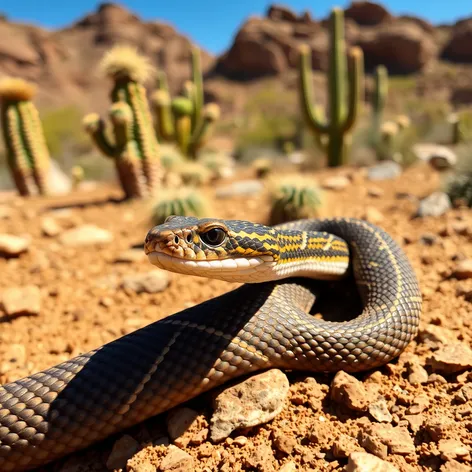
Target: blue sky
[{"x": 213, "y": 23}]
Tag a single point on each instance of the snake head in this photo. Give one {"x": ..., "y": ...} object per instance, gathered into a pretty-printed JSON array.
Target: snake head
[{"x": 232, "y": 250}]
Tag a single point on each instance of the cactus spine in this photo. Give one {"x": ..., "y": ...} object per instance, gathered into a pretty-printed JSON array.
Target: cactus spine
[
  {"x": 27, "y": 152},
  {"x": 379, "y": 98},
  {"x": 342, "y": 115},
  {"x": 184, "y": 120},
  {"x": 134, "y": 149}
]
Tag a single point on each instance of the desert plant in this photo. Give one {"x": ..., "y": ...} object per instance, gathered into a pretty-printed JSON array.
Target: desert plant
[
  {"x": 379, "y": 97},
  {"x": 181, "y": 202},
  {"x": 135, "y": 149},
  {"x": 184, "y": 120},
  {"x": 459, "y": 189},
  {"x": 77, "y": 174},
  {"x": 194, "y": 173},
  {"x": 219, "y": 164},
  {"x": 335, "y": 130},
  {"x": 294, "y": 198},
  {"x": 27, "y": 153}
]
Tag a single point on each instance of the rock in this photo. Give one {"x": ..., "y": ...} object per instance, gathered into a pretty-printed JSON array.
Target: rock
[
  {"x": 251, "y": 402},
  {"x": 50, "y": 227},
  {"x": 463, "y": 269},
  {"x": 453, "y": 449},
  {"x": 428, "y": 239},
  {"x": 179, "y": 420},
  {"x": 281, "y": 13},
  {"x": 123, "y": 449},
  {"x": 85, "y": 235},
  {"x": 436, "y": 334},
  {"x": 58, "y": 182},
  {"x": 288, "y": 467},
  {"x": 365, "y": 462},
  {"x": 379, "y": 411},
  {"x": 241, "y": 188},
  {"x": 417, "y": 374},
  {"x": 337, "y": 182},
  {"x": 367, "y": 13},
  {"x": 451, "y": 359},
  {"x": 348, "y": 391},
  {"x": 464, "y": 395},
  {"x": 154, "y": 281},
  {"x": 454, "y": 466},
  {"x": 440, "y": 427},
  {"x": 384, "y": 439},
  {"x": 419, "y": 404},
  {"x": 402, "y": 47},
  {"x": 436, "y": 204},
  {"x": 384, "y": 171},
  {"x": 344, "y": 446},
  {"x": 131, "y": 255},
  {"x": 458, "y": 47},
  {"x": 177, "y": 460},
  {"x": 284, "y": 443},
  {"x": 25, "y": 300},
  {"x": 439, "y": 157},
  {"x": 12, "y": 246},
  {"x": 415, "y": 422},
  {"x": 372, "y": 215},
  {"x": 375, "y": 192}
]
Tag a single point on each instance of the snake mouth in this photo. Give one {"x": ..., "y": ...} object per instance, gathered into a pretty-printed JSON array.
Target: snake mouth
[{"x": 241, "y": 269}]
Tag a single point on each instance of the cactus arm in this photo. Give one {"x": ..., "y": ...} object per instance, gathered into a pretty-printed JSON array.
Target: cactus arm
[
  {"x": 210, "y": 114},
  {"x": 182, "y": 109},
  {"x": 16, "y": 153},
  {"x": 378, "y": 103},
  {"x": 95, "y": 127},
  {"x": 197, "y": 78},
  {"x": 356, "y": 86},
  {"x": 121, "y": 116},
  {"x": 162, "y": 111},
  {"x": 337, "y": 70},
  {"x": 311, "y": 112},
  {"x": 35, "y": 144}
]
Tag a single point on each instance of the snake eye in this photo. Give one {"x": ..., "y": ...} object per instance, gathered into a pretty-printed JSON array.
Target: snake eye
[{"x": 213, "y": 237}]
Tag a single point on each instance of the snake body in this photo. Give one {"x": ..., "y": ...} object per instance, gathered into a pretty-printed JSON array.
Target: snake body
[{"x": 257, "y": 326}]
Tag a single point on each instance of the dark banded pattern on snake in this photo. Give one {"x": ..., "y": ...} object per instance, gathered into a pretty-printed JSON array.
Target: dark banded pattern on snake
[{"x": 74, "y": 404}]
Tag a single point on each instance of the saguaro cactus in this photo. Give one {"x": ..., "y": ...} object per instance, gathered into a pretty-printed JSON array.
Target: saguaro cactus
[
  {"x": 27, "y": 153},
  {"x": 135, "y": 149},
  {"x": 379, "y": 98},
  {"x": 184, "y": 120},
  {"x": 343, "y": 107}
]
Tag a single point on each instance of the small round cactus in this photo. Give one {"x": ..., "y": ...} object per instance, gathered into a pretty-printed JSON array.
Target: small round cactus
[
  {"x": 295, "y": 198},
  {"x": 181, "y": 202},
  {"x": 459, "y": 189},
  {"x": 194, "y": 173}
]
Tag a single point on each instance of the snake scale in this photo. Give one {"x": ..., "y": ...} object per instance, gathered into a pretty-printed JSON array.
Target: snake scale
[{"x": 257, "y": 326}]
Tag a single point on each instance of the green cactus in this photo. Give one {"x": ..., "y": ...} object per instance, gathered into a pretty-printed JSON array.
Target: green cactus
[
  {"x": 459, "y": 189},
  {"x": 27, "y": 153},
  {"x": 135, "y": 149},
  {"x": 379, "y": 98},
  {"x": 295, "y": 198},
  {"x": 184, "y": 120},
  {"x": 181, "y": 202},
  {"x": 343, "y": 107}
]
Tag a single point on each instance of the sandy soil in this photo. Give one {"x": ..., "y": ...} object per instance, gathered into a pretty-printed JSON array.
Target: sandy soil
[{"x": 82, "y": 309}]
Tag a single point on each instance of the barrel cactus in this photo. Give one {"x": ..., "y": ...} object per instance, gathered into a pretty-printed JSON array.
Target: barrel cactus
[
  {"x": 27, "y": 153},
  {"x": 345, "y": 85},
  {"x": 182, "y": 202},
  {"x": 295, "y": 198},
  {"x": 185, "y": 120},
  {"x": 135, "y": 149}
]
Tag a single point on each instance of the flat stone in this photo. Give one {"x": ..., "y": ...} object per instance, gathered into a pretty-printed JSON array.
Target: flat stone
[
  {"x": 85, "y": 235},
  {"x": 452, "y": 358},
  {"x": 337, "y": 183},
  {"x": 249, "y": 403},
  {"x": 384, "y": 171},
  {"x": 123, "y": 449},
  {"x": 384, "y": 439},
  {"x": 435, "y": 205},
  {"x": 11, "y": 245},
  {"x": 463, "y": 269},
  {"x": 50, "y": 227},
  {"x": 347, "y": 390},
  {"x": 25, "y": 300},
  {"x": 241, "y": 188},
  {"x": 365, "y": 462},
  {"x": 154, "y": 281},
  {"x": 379, "y": 410},
  {"x": 176, "y": 460}
]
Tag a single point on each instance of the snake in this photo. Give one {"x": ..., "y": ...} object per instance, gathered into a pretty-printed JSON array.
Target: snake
[{"x": 267, "y": 322}]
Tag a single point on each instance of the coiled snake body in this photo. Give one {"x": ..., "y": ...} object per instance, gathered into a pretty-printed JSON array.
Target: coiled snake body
[{"x": 257, "y": 326}]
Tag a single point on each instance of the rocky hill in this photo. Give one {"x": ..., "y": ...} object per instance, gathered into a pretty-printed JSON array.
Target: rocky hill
[{"x": 64, "y": 62}]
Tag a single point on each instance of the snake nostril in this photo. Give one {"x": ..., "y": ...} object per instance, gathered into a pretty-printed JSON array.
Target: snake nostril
[
  {"x": 176, "y": 240},
  {"x": 189, "y": 238}
]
